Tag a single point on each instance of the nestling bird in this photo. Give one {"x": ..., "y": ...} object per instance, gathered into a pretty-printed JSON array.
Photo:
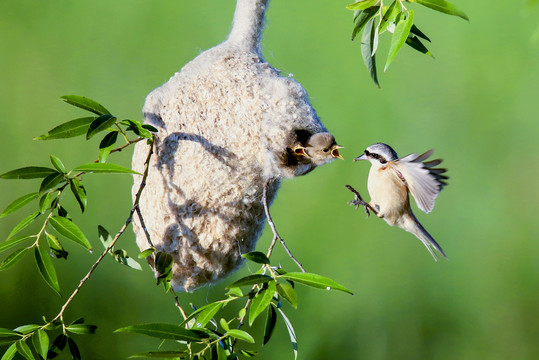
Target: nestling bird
[
  {"x": 320, "y": 149},
  {"x": 390, "y": 180}
]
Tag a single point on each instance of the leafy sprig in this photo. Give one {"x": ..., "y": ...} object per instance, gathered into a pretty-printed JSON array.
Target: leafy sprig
[{"x": 372, "y": 18}]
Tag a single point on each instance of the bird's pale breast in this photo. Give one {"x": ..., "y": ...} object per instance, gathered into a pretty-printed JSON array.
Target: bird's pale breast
[{"x": 388, "y": 193}]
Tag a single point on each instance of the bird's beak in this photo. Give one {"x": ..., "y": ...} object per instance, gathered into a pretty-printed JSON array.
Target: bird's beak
[
  {"x": 362, "y": 157},
  {"x": 335, "y": 152},
  {"x": 300, "y": 150}
]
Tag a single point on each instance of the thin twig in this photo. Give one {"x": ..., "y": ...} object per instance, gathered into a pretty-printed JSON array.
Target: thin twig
[
  {"x": 177, "y": 301},
  {"x": 122, "y": 230},
  {"x": 143, "y": 225},
  {"x": 274, "y": 230}
]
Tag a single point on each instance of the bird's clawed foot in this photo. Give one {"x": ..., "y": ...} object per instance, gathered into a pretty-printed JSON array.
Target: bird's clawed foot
[{"x": 358, "y": 201}]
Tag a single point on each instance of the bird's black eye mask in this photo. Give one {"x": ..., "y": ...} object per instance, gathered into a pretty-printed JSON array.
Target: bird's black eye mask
[{"x": 376, "y": 156}]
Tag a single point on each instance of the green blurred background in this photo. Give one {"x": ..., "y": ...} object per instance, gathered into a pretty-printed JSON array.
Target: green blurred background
[{"x": 477, "y": 104}]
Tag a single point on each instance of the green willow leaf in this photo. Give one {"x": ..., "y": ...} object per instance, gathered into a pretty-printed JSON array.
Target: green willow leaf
[
  {"x": 71, "y": 231},
  {"x": 40, "y": 340},
  {"x": 442, "y": 6},
  {"x": 163, "y": 331},
  {"x": 389, "y": 16},
  {"x": 271, "y": 320},
  {"x": 68, "y": 129},
  {"x": 58, "y": 164},
  {"x": 361, "y": 5},
  {"x": 250, "y": 280},
  {"x": 261, "y": 301},
  {"x": 106, "y": 145},
  {"x": 8, "y": 333},
  {"x": 79, "y": 192},
  {"x": 138, "y": 128},
  {"x": 162, "y": 355},
  {"x": 286, "y": 291},
  {"x": 316, "y": 281},
  {"x": 363, "y": 19},
  {"x": 415, "y": 43},
  {"x": 82, "y": 329},
  {"x": 240, "y": 335},
  {"x": 56, "y": 247},
  {"x": 104, "y": 168},
  {"x": 57, "y": 346},
  {"x": 367, "y": 41},
  {"x": 45, "y": 202},
  {"x": 85, "y": 103},
  {"x": 19, "y": 203},
  {"x": 102, "y": 123},
  {"x": 402, "y": 30},
  {"x": 291, "y": 332},
  {"x": 148, "y": 252},
  {"x": 10, "y": 352},
  {"x": 207, "y": 314},
  {"x": 415, "y": 30},
  {"x": 14, "y": 242},
  {"x": 51, "y": 181},
  {"x": 27, "y": 329},
  {"x": 29, "y": 172},
  {"x": 23, "y": 224},
  {"x": 257, "y": 257},
  {"x": 46, "y": 267},
  {"x": 24, "y": 350},
  {"x": 73, "y": 349}
]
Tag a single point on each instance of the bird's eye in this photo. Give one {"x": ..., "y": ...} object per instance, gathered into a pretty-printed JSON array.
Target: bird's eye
[
  {"x": 326, "y": 150},
  {"x": 367, "y": 153}
]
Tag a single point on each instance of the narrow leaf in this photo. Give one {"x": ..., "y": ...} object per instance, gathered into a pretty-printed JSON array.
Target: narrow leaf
[
  {"x": 207, "y": 314},
  {"x": 137, "y": 128},
  {"x": 163, "y": 331},
  {"x": 73, "y": 349},
  {"x": 106, "y": 145},
  {"x": 69, "y": 129},
  {"x": 291, "y": 332},
  {"x": 46, "y": 267},
  {"x": 102, "y": 123},
  {"x": 366, "y": 50},
  {"x": 23, "y": 224},
  {"x": 361, "y": 5},
  {"x": 14, "y": 242},
  {"x": 27, "y": 329},
  {"x": 19, "y": 203},
  {"x": 442, "y": 6},
  {"x": 71, "y": 231},
  {"x": 286, "y": 291},
  {"x": 399, "y": 37},
  {"x": 389, "y": 16},
  {"x": 8, "y": 333},
  {"x": 316, "y": 281},
  {"x": 129, "y": 262},
  {"x": 41, "y": 343},
  {"x": 250, "y": 280},
  {"x": 104, "y": 168},
  {"x": 85, "y": 103},
  {"x": 271, "y": 320},
  {"x": 363, "y": 19},
  {"x": 10, "y": 352},
  {"x": 45, "y": 202},
  {"x": 51, "y": 181},
  {"x": 257, "y": 257},
  {"x": 58, "y": 164},
  {"x": 79, "y": 192},
  {"x": 415, "y": 43},
  {"x": 24, "y": 350},
  {"x": 57, "y": 346},
  {"x": 104, "y": 236},
  {"x": 82, "y": 329},
  {"x": 29, "y": 172},
  {"x": 261, "y": 301},
  {"x": 56, "y": 247},
  {"x": 415, "y": 30},
  {"x": 148, "y": 252},
  {"x": 240, "y": 335}
]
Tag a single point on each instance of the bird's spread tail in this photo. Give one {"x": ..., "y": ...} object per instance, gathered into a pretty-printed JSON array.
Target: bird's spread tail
[{"x": 412, "y": 225}]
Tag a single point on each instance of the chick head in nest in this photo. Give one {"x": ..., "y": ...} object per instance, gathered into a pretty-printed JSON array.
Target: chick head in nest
[{"x": 319, "y": 149}]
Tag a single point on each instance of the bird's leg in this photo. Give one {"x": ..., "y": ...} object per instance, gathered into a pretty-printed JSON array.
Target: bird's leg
[{"x": 359, "y": 201}]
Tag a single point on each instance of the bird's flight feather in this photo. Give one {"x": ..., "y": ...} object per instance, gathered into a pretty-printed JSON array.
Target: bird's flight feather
[{"x": 423, "y": 181}]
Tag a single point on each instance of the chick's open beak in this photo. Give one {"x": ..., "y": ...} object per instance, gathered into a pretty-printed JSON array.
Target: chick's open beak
[
  {"x": 335, "y": 152},
  {"x": 300, "y": 150}
]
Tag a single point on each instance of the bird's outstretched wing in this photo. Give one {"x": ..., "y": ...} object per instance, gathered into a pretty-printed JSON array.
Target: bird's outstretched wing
[{"x": 423, "y": 180}]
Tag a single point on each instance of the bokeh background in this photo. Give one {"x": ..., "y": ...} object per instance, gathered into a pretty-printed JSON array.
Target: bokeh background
[{"x": 476, "y": 103}]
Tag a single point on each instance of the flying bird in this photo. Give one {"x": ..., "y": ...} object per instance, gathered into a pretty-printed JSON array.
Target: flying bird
[{"x": 391, "y": 179}]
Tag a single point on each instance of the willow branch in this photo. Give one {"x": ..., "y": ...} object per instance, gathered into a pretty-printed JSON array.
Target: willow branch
[
  {"x": 122, "y": 230},
  {"x": 276, "y": 235}
]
